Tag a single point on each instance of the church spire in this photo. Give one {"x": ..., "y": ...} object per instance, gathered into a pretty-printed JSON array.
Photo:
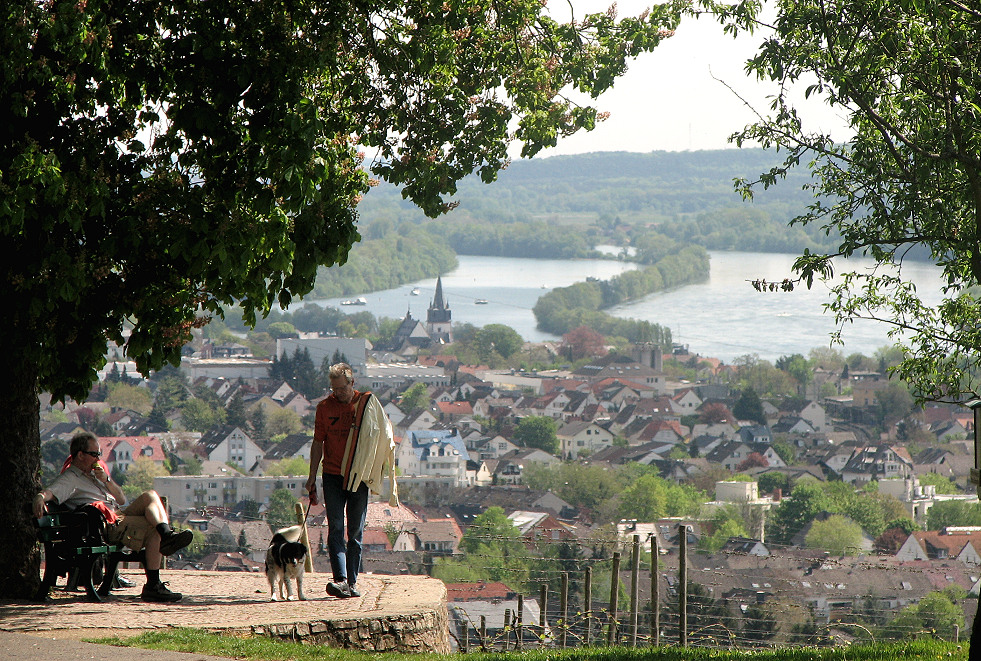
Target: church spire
[
  {"x": 438, "y": 302},
  {"x": 438, "y": 319}
]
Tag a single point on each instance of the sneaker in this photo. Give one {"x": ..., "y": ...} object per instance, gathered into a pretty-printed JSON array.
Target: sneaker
[
  {"x": 353, "y": 591},
  {"x": 123, "y": 582},
  {"x": 175, "y": 541},
  {"x": 339, "y": 590},
  {"x": 159, "y": 592}
]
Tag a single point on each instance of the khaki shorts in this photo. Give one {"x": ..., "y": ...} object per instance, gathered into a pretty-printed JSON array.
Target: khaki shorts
[{"x": 130, "y": 531}]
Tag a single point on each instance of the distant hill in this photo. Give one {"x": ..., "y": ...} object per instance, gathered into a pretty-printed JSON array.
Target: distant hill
[
  {"x": 635, "y": 187},
  {"x": 609, "y": 197}
]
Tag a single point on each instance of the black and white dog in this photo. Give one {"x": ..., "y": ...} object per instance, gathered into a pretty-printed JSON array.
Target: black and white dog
[{"x": 285, "y": 560}]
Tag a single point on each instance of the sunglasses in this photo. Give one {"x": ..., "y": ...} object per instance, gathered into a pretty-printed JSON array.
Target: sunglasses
[{"x": 91, "y": 453}]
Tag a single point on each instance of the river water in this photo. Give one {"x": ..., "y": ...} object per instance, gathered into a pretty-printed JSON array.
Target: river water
[{"x": 723, "y": 317}]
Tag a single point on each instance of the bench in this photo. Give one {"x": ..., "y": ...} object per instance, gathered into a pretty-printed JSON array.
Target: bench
[{"x": 75, "y": 546}]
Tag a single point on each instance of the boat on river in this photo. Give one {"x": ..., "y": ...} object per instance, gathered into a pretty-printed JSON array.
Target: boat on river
[
  {"x": 481, "y": 301},
  {"x": 360, "y": 300}
]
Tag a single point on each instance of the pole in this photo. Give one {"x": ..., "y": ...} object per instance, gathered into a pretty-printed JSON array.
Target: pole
[
  {"x": 542, "y": 609},
  {"x": 614, "y": 598},
  {"x": 564, "y": 609},
  {"x": 655, "y": 594},
  {"x": 483, "y": 632},
  {"x": 588, "y": 596},
  {"x": 634, "y": 588},
  {"x": 519, "y": 643},
  {"x": 683, "y": 585},
  {"x": 507, "y": 623}
]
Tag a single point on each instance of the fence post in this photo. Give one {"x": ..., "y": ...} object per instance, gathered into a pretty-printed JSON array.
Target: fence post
[
  {"x": 466, "y": 636},
  {"x": 588, "y": 596},
  {"x": 655, "y": 594},
  {"x": 483, "y": 632},
  {"x": 507, "y": 623},
  {"x": 683, "y": 585},
  {"x": 542, "y": 610},
  {"x": 564, "y": 609},
  {"x": 518, "y": 641},
  {"x": 614, "y": 599},
  {"x": 634, "y": 585}
]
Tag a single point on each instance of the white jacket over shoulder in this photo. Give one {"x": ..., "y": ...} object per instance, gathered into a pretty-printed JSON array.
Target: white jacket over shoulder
[{"x": 374, "y": 449}]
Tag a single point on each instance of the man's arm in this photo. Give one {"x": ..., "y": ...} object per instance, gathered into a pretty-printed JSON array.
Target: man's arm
[
  {"x": 316, "y": 455},
  {"x": 40, "y": 502}
]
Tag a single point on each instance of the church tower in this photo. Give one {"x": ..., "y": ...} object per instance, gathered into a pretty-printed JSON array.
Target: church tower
[{"x": 438, "y": 321}]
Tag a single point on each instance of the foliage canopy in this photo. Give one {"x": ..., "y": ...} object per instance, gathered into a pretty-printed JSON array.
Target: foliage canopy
[
  {"x": 906, "y": 78},
  {"x": 162, "y": 162}
]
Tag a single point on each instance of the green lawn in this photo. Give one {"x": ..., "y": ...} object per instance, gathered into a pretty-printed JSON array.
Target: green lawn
[{"x": 261, "y": 648}]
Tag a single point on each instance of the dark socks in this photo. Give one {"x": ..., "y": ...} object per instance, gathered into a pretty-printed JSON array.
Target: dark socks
[
  {"x": 164, "y": 529},
  {"x": 152, "y": 576}
]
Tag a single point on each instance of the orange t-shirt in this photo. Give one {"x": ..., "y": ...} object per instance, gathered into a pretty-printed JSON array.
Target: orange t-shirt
[{"x": 332, "y": 426}]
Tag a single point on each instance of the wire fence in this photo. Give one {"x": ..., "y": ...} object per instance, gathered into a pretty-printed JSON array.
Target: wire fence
[
  {"x": 562, "y": 592},
  {"x": 731, "y": 599}
]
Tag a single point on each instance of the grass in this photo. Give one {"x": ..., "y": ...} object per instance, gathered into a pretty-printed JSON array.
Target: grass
[{"x": 268, "y": 649}]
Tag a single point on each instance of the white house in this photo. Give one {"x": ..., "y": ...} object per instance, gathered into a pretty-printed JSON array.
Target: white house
[
  {"x": 961, "y": 544},
  {"x": 582, "y": 438},
  {"x": 433, "y": 456},
  {"x": 189, "y": 492},
  {"x": 228, "y": 444}
]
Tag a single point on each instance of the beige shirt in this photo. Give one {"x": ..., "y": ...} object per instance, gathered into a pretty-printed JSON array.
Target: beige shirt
[{"x": 75, "y": 488}]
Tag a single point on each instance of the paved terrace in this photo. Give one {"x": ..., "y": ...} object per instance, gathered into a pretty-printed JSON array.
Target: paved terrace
[{"x": 394, "y": 613}]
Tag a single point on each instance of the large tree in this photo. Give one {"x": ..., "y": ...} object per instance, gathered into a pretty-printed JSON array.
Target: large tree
[
  {"x": 906, "y": 78},
  {"x": 161, "y": 161},
  {"x": 907, "y": 181}
]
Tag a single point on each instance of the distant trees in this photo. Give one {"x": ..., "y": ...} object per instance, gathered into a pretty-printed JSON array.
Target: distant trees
[
  {"x": 414, "y": 398},
  {"x": 791, "y": 515},
  {"x": 749, "y": 406},
  {"x": 837, "y": 534},
  {"x": 650, "y": 498},
  {"x": 281, "y": 513},
  {"x": 935, "y": 613},
  {"x": 497, "y": 338},
  {"x": 953, "y": 513},
  {"x": 566, "y": 308},
  {"x": 752, "y": 460},
  {"x": 537, "y": 431},
  {"x": 583, "y": 342},
  {"x": 714, "y": 413},
  {"x": 494, "y": 551}
]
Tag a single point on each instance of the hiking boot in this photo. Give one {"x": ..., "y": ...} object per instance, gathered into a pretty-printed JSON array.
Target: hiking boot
[
  {"x": 353, "y": 591},
  {"x": 175, "y": 541},
  {"x": 159, "y": 592},
  {"x": 339, "y": 590}
]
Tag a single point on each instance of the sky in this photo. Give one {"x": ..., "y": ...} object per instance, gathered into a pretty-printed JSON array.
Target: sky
[{"x": 674, "y": 99}]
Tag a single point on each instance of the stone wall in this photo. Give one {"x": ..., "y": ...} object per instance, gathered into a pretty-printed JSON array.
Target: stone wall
[{"x": 421, "y": 631}]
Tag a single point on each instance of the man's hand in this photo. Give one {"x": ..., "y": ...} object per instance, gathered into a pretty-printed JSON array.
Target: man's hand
[
  {"x": 40, "y": 507},
  {"x": 312, "y": 490},
  {"x": 100, "y": 473}
]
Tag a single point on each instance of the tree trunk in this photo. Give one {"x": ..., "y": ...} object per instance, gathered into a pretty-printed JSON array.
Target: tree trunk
[{"x": 20, "y": 466}]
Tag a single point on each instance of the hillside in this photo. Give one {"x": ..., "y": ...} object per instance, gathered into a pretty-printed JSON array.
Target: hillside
[{"x": 651, "y": 187}]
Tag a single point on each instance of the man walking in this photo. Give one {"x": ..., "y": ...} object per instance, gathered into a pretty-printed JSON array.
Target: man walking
[{"x": 353, "y": 441}]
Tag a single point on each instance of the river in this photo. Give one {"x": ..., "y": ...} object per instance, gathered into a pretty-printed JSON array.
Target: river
[{"x": 723, "y": 317}]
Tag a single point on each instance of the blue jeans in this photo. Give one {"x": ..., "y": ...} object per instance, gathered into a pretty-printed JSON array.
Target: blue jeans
[{"x": 345, "y": 559}]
